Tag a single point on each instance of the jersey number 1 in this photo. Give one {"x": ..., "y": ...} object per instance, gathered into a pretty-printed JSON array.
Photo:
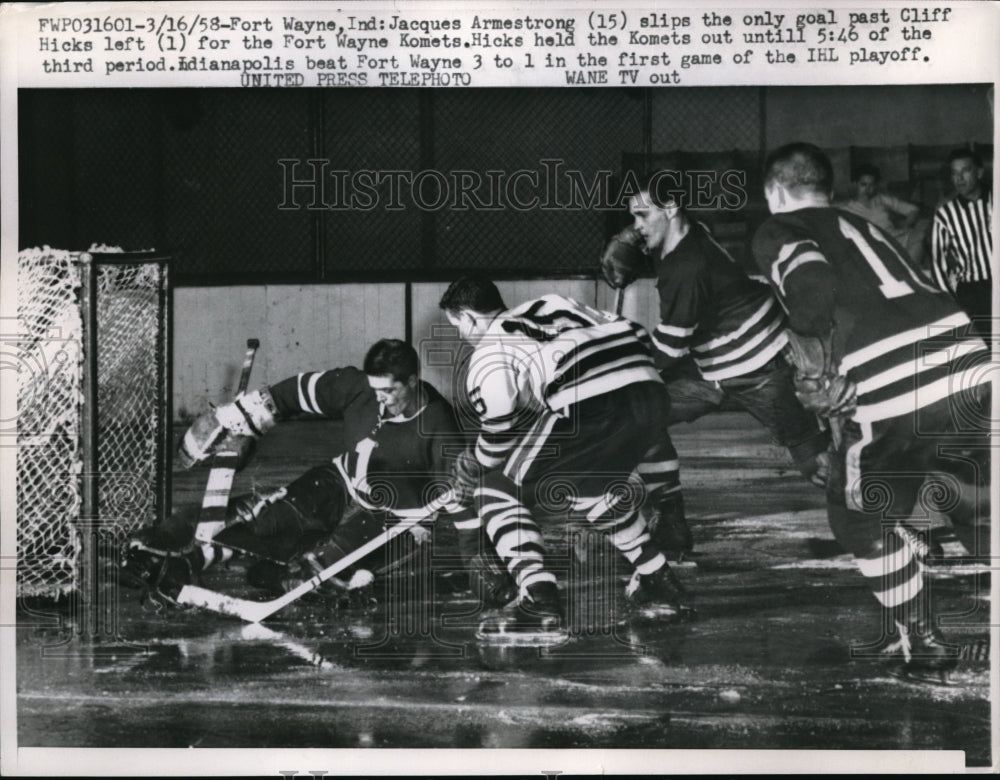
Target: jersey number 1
[{"x": 890, "y": 287}]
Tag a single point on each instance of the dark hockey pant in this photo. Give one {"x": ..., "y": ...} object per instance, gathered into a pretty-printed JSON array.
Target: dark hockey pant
[
  {"x": 767, "y": 394},
  {"x": 896, "y": 470},
  {"x": 584, "y": 463}
]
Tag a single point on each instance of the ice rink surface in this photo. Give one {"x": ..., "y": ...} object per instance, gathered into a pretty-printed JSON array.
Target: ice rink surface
[{"x": 776, "y": 659}]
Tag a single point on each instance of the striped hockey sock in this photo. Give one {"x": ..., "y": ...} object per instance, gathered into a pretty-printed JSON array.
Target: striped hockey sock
[
  {"x": 896, "y": 578},
  {"x": 516, "y": 537}
]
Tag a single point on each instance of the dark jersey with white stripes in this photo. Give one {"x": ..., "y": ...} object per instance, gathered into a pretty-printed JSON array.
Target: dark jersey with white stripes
[
  {"x": 388, "y": 462},
  {"x": 710, "y": 308},
  {"x": 546, "y": 355},
  {"x": 962, "y": 241},
  {"x": 905, "y": 343}
]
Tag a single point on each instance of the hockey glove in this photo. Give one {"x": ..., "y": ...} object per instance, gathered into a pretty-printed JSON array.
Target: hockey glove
[
  {"x": 249, "y": 416},
  {"x": 817, "y": 385},
  {"x": 466, "y": 476},
  {"x": 624, "y": 259},
  {"x": 827, "y": 396},
  {"x": 306, "y": 566}
]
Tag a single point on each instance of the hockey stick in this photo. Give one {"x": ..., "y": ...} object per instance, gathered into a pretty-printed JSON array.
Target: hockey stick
[
  {"x": 260, "y": 633},
  {"x": 212, "y": 515},
  {"x": 836, "y": 423},
  {"x": 256, "y": 611}
]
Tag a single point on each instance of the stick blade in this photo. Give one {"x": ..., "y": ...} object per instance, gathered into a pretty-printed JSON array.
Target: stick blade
[{"x": 250, "y": 611}]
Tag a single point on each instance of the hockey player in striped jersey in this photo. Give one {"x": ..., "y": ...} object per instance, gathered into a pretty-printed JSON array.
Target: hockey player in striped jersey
[
  {"x": 400, "y": 437},
  {"x": 891, "y": 360},
  {"x": 732, "y": 327},
  {"x": 568, "y": 400}
]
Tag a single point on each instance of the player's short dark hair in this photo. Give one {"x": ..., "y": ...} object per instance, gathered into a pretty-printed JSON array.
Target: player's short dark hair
[
  {"x": 392, "y": 357},
  {"x": 965, "y": 153},
  {"x": 474, "y": 293},
  {"x": 800, "y": 166},
  {"x": 666, "y": 187},
  {"x": 866, "y": 169}
]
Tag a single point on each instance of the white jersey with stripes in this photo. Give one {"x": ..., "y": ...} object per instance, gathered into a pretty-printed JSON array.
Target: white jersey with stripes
[{"x": 545, "y": 356}]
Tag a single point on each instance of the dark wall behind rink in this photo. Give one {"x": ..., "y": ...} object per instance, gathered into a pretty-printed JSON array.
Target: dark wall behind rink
[{"x": 196, "y": 172}]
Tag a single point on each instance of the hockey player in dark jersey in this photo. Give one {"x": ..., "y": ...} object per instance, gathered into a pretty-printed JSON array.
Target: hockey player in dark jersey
[
  {"x": 714, "y": 315},
  {"x": 892, "y": 362},
  {"x": 568, "y": 402},
  {"x": 400, "y": 437}
]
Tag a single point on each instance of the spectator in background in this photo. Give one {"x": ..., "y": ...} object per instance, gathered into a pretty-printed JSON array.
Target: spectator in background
[
  {"x": 899, "y": 219},
  {"x": 962, "y": 240}
]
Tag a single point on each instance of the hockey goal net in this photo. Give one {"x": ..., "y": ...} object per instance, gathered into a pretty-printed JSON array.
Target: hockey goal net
[{"x": 93, "y": 407}]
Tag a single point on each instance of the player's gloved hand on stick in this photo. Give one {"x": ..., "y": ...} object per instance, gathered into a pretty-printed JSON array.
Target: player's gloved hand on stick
[
  {"x": 818, "y": 386},
  {"x": 466, "y": 475},
  {"x": 420, "y": 533},
  {"x": 307, "y": 565},
  {"x": 827, "y": 395},
  {"x": 249, "y": 417},
  {"x": 624, "y": 258}
]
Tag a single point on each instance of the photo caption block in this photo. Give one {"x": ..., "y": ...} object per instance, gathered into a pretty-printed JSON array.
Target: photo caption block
[{"x": 425, "y": 45}]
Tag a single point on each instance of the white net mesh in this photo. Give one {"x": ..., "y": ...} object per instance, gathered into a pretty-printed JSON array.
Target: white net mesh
[
  {"x": 49, "y": 401},
  {"x": 50, "y": 366}
]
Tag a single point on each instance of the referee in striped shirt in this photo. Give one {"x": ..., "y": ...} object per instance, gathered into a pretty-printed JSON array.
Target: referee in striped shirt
[{"x": 962, "y": 240}]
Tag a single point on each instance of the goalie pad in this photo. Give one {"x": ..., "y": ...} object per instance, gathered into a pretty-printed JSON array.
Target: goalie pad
[
  {"x": 248, "y": 417},
  {"x": 818, "y": 386},
  {"x": 624, "y": 258}
]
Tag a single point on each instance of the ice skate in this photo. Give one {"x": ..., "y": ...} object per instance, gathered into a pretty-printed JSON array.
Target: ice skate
[
  {"x": 920, "y": 655},
  {"x": 491, "y": 583},
  {"x": 659, "y": 596},
  {"x": 536, "y": 619},
  {"x": 669, "y": 530}
]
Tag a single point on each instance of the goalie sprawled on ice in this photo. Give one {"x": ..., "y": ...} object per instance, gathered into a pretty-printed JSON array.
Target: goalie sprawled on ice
[{"x": 399, "y": 436}]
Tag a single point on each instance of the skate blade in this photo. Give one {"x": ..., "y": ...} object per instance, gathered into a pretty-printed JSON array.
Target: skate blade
[
  {"x": 938, "y": 677},
  {"x": 521, "y": 639},
  {"x": 952, "y": 567},
  {"x": 499, "y": 633},
  {"x": 665, "y": 613},
  {"x": 684, "y": 559}
]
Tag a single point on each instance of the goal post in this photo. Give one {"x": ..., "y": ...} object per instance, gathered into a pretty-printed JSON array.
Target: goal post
[{"x": 93, "y": 360}]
